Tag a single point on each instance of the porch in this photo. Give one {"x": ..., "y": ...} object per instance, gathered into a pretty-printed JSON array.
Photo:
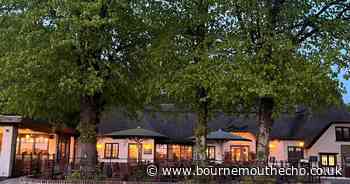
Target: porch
[{"x": 41, "y": 152}]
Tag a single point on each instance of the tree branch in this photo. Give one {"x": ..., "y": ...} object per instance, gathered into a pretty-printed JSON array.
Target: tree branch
[{"x": 308, "y": 23}]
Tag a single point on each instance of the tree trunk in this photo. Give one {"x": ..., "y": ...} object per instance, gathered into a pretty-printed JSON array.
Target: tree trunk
[
  {"x": 200, "y": 34},
  {"x": 201, "y": 127},
  {"x": 265, "y": 122},
  {"x": 87, "y": 153}
]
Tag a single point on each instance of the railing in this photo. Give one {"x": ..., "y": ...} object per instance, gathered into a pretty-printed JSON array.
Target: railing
[
  {"x": 47, "y": 167},
  {"x": 34, "y": 164}
]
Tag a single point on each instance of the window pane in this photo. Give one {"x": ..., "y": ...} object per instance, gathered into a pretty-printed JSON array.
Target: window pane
[
  {"x": 147, "y": 148},
  {"x": 324, "y": 160},
  {"x": 245, "y": 154},
  {"x": 27, "y": 144},
  {"x": 174, "y": 152},
  {"x": 115, "y": 151},
  {"x": 346, "y": 133},
  {"x": 41, "y": 145},
  {"x": 211, "y": 152},
  {"x": 108, "y": 150},
  {"x": 161, "y": 151},
  {"x": 331, "y": 160},
  {"x": 236, "y": 153},
  {"x": 338, "y": 133},
  {"x": 186, "y": 152}
]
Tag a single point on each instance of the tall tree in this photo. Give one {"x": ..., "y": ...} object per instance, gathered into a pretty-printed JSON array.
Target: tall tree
[
  {"x": 286, "y": 52},
  {"x": 191, "y": 61},
  {"x": 62, "y": 56},
  {"x": 268, "y": 56}
]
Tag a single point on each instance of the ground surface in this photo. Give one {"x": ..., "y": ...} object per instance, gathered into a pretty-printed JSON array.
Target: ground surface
[{"x": 325, "y": 181}]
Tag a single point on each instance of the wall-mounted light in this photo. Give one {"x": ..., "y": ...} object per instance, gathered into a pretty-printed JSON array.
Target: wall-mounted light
[
  {"x": 301, "y": 144},
  {"x": 99, "y": 146},
  {"x": 272, "y": 145}
]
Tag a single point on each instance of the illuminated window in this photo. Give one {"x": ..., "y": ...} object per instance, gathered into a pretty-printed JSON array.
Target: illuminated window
[
  {"x": 133, "y": 151},
  {"x": 239, "y": 153},
  {"x": 111, "y": 150},
  {"x": 32, "y": 144},
  {"x": 328, "y": 159},
  {"x": 161, "y": 151},
  {"x": 174, "y": 152},
  {"x": 41, "y": 145},
  {"x": 147, "y": 148},
  {"x": 211, "y": 152},
  {"x": 186, "y": 152},
  {"x": 179, "y": 152}
]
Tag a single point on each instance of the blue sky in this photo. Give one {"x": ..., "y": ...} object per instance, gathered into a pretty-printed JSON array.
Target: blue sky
[{"x": 346, "y": 83}]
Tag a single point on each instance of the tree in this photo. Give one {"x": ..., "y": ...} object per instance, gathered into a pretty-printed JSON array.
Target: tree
[
  {"x": 61, "y": 57},
  {"x": 285, "y": 51},
  {"x": 190, "y": 60},
  {"x": 266, "y": 56}
]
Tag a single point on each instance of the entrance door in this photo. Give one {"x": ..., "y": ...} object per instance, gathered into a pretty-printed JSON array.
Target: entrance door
[
  {"x": 345, "y": 156},
  {"x": 239, "y": 153},
  {"x": 133, "y": 152},
  {"x": 63, "y": 148}
]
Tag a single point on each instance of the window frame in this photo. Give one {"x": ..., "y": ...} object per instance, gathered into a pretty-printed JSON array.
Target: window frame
[
  {"x": 34, "y": 137},
  {"x": 295, "y": 150},
  {"x": 181, "y": 148},
  {"x": 341, "y": 137},
  {"x": 162, "y": 147},
  {"x": 208, "y": 152},
  {"x": 183, "y": 154},
  {"x": 328, "y": 155},
  {"x": 111, "y": 151},
  {"x": 240, "y": 147}
]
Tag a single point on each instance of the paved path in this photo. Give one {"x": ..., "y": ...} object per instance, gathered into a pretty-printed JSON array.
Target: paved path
[
  {"x": 324, "y": 181},
  {"x": 10, "y": 181}
]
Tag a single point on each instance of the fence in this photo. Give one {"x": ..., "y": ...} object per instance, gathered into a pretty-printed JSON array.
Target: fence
[
  {"x": 46, "y": 181},
  {"x": 47, "y": 167}
]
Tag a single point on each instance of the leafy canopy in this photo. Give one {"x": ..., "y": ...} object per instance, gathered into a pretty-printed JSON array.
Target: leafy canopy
[
  {"x": 56, "y": 51},
  {"x": 280, "y": 49}
]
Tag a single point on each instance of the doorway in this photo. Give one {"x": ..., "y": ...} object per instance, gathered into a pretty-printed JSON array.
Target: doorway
[
  {"x": 133, "y": 152},
  {"x": 239, "y": 153}
]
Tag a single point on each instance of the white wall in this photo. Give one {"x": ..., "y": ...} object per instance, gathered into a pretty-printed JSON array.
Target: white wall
[
  {"x": 222, "y": 147},
  {"x": 327, "y": 143},
  {"x": 8, "y": 148},
  {"x": 123, "y": 149},
  {"x": 279, "y": 148},
  {"x": 250, "y": 136}
]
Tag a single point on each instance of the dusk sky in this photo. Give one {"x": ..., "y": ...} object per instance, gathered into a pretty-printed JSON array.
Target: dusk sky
[{"x": 346, "y": 96}]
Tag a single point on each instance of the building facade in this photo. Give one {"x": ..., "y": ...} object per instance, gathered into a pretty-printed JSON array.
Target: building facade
[{"x": 323, "y": 138}]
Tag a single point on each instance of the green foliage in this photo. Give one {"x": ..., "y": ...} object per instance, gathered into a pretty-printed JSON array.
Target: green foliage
[
  {"x": 252, "y": 49},
  {"x": 78, "y": 175},
  {"x": 56, "y": 51}
]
